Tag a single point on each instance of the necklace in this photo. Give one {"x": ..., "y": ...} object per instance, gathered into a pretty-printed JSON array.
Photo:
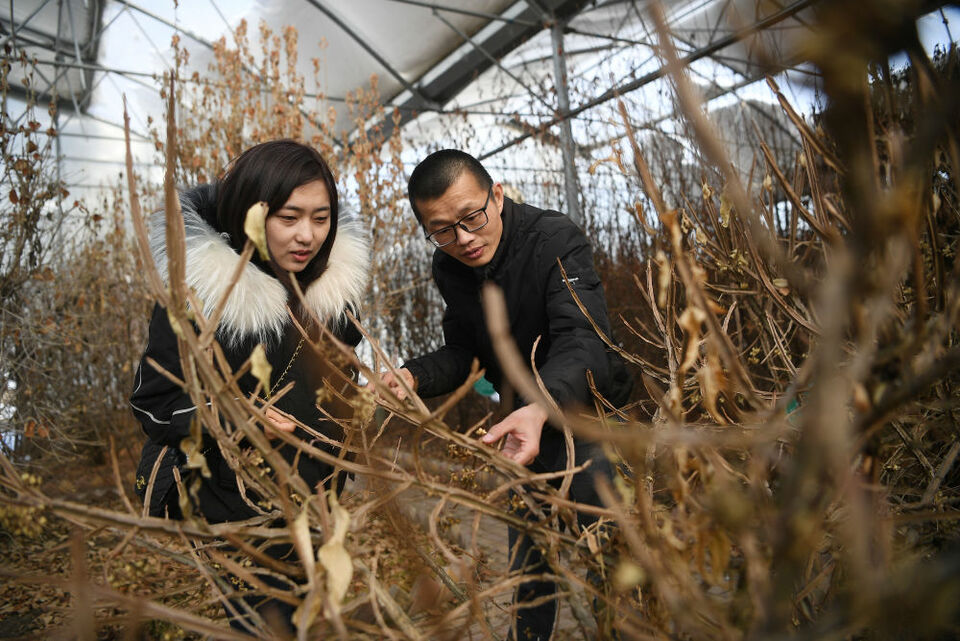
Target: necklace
[{"x": 296, "y": 353}]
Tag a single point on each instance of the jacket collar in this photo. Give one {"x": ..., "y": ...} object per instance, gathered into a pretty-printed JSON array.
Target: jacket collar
[
  {"x": 257, "y": 305},
  {"x": 510, "y": 217}
]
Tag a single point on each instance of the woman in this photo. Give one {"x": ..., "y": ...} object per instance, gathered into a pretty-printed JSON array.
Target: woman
[{"x": 305, "y": 239}]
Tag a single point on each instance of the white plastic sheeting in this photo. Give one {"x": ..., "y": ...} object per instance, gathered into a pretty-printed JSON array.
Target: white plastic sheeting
[{"x": 475, "y": 72}]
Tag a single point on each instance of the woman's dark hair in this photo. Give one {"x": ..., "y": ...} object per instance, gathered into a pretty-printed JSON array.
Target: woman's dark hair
[{"x": 269, "y": 172}]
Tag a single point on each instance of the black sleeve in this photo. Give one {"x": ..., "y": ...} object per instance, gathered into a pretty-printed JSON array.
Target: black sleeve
[
  {"x": 440, "y": 372},
  {"x": 574, "y": 345},
  {"x": 163, "y": 408}
]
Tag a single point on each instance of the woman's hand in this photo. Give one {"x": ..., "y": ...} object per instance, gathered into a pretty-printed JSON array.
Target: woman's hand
[{"x": 279, "y": 422}]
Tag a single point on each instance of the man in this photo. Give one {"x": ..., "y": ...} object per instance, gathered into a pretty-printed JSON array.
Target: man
[{"x": 480, "y": 236}]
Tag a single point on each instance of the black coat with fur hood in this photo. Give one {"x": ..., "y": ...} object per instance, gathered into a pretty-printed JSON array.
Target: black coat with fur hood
[{"x": 255, "y": 313}]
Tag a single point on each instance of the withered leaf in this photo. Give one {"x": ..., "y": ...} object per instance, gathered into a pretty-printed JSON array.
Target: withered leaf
[
  {"x": 255, "y": 227},
  {"x": 712, "y": 381},
  {"x": 333, "y": 555},
  {"x": 690, "y": 320},
  {"x": 192, "y": 447},
  {"x": 300, "y": 532},
  {"x": 726, "y": 208},
  {"x": 663, "y": 277},
  {"x": 627, "y": 575},
  {"x": 260, "y": 367}
]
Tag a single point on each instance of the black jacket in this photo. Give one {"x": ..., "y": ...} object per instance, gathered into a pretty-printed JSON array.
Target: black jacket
[
  {"x": 255, "y": 313},
  {"x": 538, "y": 303}
]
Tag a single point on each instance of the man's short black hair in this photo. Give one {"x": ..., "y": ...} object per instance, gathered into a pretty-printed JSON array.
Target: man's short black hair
[{"x": 434, "y": 175}]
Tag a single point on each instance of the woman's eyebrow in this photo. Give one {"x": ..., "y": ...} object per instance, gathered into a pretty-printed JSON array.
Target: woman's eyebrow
[{"x": 297, "y": 208}]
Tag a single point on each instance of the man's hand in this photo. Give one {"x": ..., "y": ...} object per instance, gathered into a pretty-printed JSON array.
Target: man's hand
[
  {"x": 388, "y": 379},
  {"x": 279, "y": 422},
  {"x": 522, "y": 429}
]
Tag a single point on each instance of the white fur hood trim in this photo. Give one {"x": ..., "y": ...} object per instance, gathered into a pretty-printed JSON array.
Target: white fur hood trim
[{"x": 257, "y": 305}]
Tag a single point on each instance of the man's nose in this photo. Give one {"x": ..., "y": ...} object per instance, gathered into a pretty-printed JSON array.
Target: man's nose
[{"x": 463, "y": 236}]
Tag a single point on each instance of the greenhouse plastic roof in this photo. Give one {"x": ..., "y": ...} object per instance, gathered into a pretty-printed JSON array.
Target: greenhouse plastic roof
[{"x": 486, "y": 58}]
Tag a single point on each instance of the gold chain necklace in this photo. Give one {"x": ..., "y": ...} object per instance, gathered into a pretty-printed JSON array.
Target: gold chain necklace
[{"x": 296, "y": 352}]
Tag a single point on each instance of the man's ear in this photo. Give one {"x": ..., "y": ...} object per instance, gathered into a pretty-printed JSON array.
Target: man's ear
[{"x": 497, "y": 191}]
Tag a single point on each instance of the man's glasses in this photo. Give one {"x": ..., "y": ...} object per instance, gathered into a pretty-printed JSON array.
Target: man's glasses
[{"x": 474, "y": 221}]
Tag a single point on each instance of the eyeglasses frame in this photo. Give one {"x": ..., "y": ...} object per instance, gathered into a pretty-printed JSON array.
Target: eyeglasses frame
[{"x": 459, "y": 223}]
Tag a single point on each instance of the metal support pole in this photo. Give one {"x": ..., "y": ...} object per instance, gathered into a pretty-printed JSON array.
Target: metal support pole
[
  {"x": 56, "y": 113},
  {"x": 566, "y": 131},
  {"x": 76, "y": 46},
  {"x": 468, "y": 12}
]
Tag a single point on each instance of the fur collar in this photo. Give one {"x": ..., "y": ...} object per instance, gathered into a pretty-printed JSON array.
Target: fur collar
[{"x": 257, "y": 306}]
